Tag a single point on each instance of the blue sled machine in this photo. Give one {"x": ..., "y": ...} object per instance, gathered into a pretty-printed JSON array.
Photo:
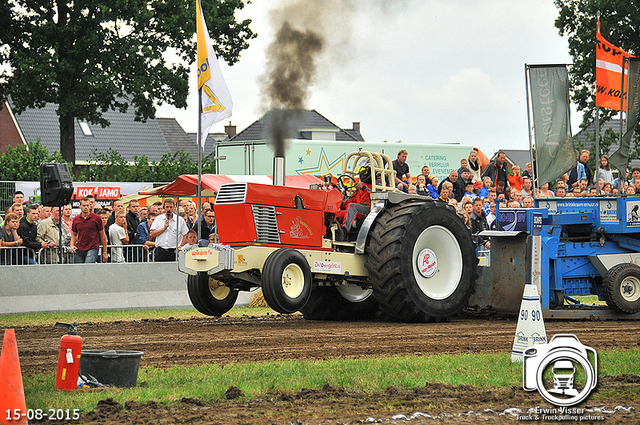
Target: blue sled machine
[{"x": 569, "y": 248}]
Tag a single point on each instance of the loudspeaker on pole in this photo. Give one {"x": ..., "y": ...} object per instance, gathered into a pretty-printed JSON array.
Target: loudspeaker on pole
[{"x": 56, "y": 186}]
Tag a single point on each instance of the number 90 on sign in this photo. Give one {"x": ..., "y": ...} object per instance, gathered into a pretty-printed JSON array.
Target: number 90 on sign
[{"x": 534, "y": 315}]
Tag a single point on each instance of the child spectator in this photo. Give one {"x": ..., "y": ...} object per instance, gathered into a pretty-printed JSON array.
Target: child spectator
[
  {"x": 421, "y": 186},
  {"x": 486, "y": 187},
  {"x": 433, "y": 188},
  {"x": 9, "y": 239},
  {"x": 468, "y": 191},
  {"x": 516, "y": 195},
  {"x": 527, "y": 202},
  {"x": 118, "y": 236},
  {"x": 464, "y": 163},
  {"x": 515, "y": 180},
  {"x": 604, "y": 171}
]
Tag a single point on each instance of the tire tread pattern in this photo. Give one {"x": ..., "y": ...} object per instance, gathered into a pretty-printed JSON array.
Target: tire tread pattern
[
  {"x": 387, "y": 246},
  {"x": 611, "y": 288}
]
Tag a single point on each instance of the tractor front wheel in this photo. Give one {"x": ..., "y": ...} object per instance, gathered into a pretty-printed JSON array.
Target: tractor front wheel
[
  {"x": 286, "y": 280},
  {"x": 210, "y": 296}
]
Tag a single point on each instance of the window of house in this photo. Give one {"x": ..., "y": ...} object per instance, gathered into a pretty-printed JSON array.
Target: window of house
[{"x": 86, "y": 130}]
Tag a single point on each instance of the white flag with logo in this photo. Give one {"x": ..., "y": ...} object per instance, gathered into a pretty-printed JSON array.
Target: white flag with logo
[{"x": 216, "y": 99}]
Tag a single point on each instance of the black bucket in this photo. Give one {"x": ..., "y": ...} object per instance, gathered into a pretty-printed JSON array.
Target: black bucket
[{"x": 117, "y": 368}]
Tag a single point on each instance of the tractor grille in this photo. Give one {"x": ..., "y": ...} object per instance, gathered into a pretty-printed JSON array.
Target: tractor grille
[
  {"x": 232, "y": 193},
  {"x": 264, "y": 217}
]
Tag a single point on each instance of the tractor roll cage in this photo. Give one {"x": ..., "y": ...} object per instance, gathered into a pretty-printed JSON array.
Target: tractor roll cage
[{"x": 378, "y": 169}]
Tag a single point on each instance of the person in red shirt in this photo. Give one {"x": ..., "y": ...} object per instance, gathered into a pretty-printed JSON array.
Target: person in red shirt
[
  {"x": 515, "y": 179},
  {"x": 358, "y": 206},
  {"x": 87, "y": 231}
]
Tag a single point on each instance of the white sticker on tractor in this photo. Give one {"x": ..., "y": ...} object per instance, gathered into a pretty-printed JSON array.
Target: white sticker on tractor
[
  {"x": 327, "y": 266},
  {"x": 427, "y": 262}
]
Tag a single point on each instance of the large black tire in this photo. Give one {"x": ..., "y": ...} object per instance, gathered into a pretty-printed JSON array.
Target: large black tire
[
  {"x": 621, "y": 288},
  {"x": 349, "y": 302},
  {"x": 210, "y": 296},
  {"x": 286, "y": 280},
  {"x": 432, "y": 232}
]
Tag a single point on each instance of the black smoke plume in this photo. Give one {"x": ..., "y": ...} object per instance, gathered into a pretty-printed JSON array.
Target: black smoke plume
[{"x": 291, "y": 66}]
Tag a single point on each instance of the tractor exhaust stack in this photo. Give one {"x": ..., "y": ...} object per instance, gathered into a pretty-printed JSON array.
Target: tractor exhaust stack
[{"x": 279, "y": 173}]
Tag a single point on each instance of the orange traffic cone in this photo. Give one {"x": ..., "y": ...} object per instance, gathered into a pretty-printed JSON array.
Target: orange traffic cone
[{"x": 13, "y": 407}]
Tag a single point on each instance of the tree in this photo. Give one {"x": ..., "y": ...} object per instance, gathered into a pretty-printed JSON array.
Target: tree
[
  {"x": 619, "y": 24},
  {"x": 23, "y": 162},
  {"x": 90, "y": 56},
  {"x": 110, "y": 166}
]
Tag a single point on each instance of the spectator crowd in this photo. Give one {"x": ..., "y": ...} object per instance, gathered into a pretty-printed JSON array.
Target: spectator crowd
[
  {"x": 102, "y": 234},
  {"x": 476, "y": 190},
  {"x": 111, "y": 234}
]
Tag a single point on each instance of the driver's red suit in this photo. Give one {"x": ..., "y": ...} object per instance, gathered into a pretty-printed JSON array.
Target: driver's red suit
[{"x": 356, "y": 207}]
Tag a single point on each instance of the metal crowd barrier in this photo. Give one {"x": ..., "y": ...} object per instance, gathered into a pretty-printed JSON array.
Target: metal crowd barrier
[
  {"x": 23, "y": 256},
  {"x": 17, "y": 255}
]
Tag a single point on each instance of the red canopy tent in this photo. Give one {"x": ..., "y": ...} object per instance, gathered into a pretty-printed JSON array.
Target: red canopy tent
[{"x": 187, "y": 184}]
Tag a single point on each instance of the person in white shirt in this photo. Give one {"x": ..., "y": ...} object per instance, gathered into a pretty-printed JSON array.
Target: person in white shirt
[
  {"x": 170, "y": 231},
  {"x": 118, "y": 235}
]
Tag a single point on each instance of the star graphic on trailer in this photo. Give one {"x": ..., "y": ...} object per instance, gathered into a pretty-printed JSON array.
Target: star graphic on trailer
[
  {"x": 300, "y": 160},
  {"x": 324, "y": 165},
  {"x": 308, "y": 152}
]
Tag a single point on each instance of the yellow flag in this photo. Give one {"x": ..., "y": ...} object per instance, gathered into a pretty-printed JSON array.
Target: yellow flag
[{"x": 216, "y": 99}]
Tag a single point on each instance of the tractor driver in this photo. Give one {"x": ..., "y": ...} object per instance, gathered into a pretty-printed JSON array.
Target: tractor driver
[{"x": 358, "y": 206}]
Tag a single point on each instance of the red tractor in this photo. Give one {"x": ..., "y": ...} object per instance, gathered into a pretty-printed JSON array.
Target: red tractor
[{"x": 411, "y": 257}]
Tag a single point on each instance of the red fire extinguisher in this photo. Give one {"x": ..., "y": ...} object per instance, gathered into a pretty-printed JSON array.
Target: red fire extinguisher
[{"x": 69, "y": 358}]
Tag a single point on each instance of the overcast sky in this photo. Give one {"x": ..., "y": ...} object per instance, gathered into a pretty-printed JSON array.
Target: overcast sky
[{"x": 416, "y": 71}]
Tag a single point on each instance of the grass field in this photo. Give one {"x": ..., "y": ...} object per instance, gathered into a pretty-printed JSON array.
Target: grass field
[{"x": 210, "y": 382}]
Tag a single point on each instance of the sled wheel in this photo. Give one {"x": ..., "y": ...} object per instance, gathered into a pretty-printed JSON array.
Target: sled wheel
[
  {"x": 348, "y": 302},
  {"x": 621, "y": 288},
  {"x": 210, "y": 296},
  {"x": 422, "y": 264},
  {"x": 286, "y": 280}
]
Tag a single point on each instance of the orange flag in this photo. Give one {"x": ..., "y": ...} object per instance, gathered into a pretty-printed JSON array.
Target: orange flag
[{"x": 609, "y": 73}]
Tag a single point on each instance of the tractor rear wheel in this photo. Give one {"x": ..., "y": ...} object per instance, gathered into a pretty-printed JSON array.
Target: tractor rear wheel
[
  {"x": 348, "y": 302},
  {"x": 286, "y": 280},
  {"x": 421, "y": 261},
  {"x": 210, "y": 296},
  {"x": 621, "y": 288}
]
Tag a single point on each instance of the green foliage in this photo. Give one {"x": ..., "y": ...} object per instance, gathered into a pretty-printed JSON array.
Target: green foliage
[
  {"x": 107, "y": 166},
  {"x": 23, "y": 163},
  {"x": 90, "y": 57},
  {"x": 110, "y": 166},
  {"x": 577, "y": 19}
]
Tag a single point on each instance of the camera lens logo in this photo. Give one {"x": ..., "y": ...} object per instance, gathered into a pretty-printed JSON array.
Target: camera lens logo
[{"x": 561, "y": 370}]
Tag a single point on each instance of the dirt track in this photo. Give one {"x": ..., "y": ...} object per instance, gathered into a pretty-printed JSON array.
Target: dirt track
[{"x": 208, "y": 340}]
